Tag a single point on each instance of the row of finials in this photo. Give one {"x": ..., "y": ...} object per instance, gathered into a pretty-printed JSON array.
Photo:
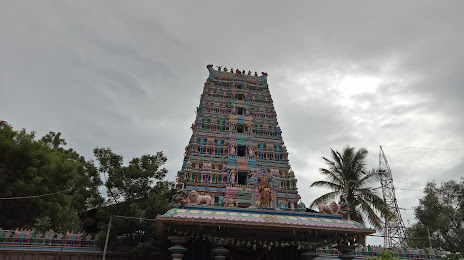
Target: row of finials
[{"x": 237, "y": 71}]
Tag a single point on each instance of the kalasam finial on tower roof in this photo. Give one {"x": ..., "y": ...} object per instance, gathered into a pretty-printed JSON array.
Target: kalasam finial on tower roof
[{"x": 237, "y": 71}]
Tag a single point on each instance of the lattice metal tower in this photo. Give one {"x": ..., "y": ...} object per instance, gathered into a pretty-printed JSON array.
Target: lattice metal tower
[{"x": 394, "y": 228}]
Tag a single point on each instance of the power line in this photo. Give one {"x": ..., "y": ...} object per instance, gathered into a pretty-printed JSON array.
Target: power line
[
  {"x": 148, "y": 219},
  {"x": 425, "y": 148},
  {"x": 396, "y": 189},
  {"x": 397, "y": 237},
  {"x": 34, "y": 196},
  {"x": 409, "y": 190}
]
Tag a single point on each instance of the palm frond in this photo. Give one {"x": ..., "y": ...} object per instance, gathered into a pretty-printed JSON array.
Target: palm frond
[
  {"x": 371, "y": 215},
  {"x": 326, "y": 184},
  {"x": 333, "y": 177},
  {"x": 377, "y": 203},
  {"x": 370, "y": 178},
  {"x": 337, "y": 157}
]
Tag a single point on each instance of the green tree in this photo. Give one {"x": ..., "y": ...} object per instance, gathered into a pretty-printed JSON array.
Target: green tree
[
  {"x": 130, "y": 182},
  {"x": 384, "y": 255},
  {"x": 30, "y": 167},
  {"x": 347, "y": 176},
  {"x": 441, "y": 214},
  {"x": 137, "y": 190},
  {"x": 453, "y": 256}
]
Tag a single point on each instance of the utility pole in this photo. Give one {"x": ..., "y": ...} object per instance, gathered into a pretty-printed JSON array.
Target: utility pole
[{"x": 107, "y": 237}]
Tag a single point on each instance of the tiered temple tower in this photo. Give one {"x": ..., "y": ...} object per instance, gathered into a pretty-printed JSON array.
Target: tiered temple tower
[
  {"x": 236, "y": 141},
  {"x": 236, "y": 157}
]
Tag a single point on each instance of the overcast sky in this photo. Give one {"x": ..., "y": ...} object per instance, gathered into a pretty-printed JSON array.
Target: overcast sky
[{"x": 129, "y": 74}]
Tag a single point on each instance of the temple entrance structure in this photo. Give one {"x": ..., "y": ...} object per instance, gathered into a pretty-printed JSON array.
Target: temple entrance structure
[{"x": 240, "y": 195}]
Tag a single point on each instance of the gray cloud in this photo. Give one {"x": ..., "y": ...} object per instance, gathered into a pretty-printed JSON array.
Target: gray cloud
[{"x": 129, "y": 75}]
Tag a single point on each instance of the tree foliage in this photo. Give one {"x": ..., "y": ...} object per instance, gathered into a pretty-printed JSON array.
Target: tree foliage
[
  {"x": 441, "y": 214},
  {"x": 347, "y": 176},
  {"x": 384, "y": 255},
  {"x": 131, "y": 190},
  {"x": 31, "y": 167},
  {"x": 453, "y": 256},
  {"x": 130, "y": 182},
  {"x": 136, "y": 236}
]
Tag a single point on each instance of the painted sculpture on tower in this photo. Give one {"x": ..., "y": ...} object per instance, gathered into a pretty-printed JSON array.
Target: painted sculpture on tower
[
  {"x": 266, "y": 193},
  {"x": 196, "y": 199}
]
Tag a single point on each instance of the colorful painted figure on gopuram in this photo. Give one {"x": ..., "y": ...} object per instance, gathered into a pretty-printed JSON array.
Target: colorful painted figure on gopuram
[{"x": 266, "y": 193}]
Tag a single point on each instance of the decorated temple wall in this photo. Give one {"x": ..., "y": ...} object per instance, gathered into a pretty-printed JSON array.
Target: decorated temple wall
[
  {"x": 29, "y": 244},
  {"x": 31, "y": 253}
]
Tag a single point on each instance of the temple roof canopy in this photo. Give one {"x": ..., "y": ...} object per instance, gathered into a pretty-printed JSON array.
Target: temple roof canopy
[{"x": 262, "y": 219}]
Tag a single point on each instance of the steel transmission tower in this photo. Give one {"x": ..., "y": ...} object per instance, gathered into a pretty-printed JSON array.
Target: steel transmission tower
[{"x": 394, "y": 227}]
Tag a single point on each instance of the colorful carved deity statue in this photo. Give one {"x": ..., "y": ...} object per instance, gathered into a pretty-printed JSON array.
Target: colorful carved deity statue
[
  {"x": 250, "y": 149},
  {"x": 233, "y": 126},
  {"x": 265, "y": 192},
  {"x": 233, "y": 173},
  {"x": 232, "y": 147},
  {"x": 188, "y": 170},
  {"x": 180, "y": 198}
]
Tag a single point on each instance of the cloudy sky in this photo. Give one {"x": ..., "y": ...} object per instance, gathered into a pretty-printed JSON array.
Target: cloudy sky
[{"x": 129, "y": 74}]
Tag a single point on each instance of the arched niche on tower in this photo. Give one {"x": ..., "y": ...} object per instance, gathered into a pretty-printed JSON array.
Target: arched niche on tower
[{"x": 273, "y": 183}]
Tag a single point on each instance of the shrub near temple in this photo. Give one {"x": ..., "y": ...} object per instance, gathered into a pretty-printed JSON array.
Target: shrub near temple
[{"x": 384, "y": 255}]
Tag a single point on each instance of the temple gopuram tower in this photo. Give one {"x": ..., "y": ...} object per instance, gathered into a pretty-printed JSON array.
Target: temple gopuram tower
[
  {"x": 236, "y": 142},
  {"x": 237, "y": 196}
]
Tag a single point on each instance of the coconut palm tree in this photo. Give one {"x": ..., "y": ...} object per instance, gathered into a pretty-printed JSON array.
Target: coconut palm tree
[{"x": 348, "y": 178}]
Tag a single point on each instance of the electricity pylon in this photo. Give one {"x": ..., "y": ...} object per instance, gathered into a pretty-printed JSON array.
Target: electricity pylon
[{"x": 394, "y": 227}]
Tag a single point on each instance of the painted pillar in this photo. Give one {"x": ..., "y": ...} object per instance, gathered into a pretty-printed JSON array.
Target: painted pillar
[
  {"x": 253, "y": 197},
  {"x": 177, "y": 250},
  {"x": 220, "y": 251},
  {"x": 253, "y": 182}
]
